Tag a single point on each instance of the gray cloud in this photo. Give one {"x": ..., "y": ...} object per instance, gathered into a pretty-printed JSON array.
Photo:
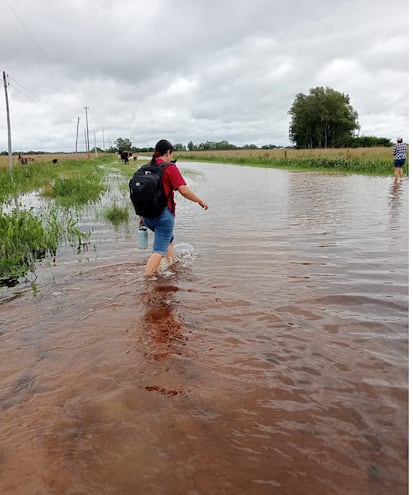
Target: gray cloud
[{"x": 205, "y": 70}]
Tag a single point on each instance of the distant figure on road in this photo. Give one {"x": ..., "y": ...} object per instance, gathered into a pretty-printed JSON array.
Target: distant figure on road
[{"x": 400, "y": 154}]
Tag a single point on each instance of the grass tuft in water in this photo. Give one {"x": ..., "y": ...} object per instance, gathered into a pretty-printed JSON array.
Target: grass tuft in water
[
  {"x": 84, "y": 174},
  {"x": 117, "y": 214},
  {"x": 26, "y": 238},
  {"x": 77, "y": 190}
]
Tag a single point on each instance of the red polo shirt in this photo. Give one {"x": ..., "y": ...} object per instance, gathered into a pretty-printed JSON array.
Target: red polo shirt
[{"x": 171, "y": 180}]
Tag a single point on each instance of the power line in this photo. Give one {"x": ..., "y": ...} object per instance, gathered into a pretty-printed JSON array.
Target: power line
[
  {"x": 26, "y": 93},
  {"x": 32, "y": 95},
  {"x": 26, "y": 29}
]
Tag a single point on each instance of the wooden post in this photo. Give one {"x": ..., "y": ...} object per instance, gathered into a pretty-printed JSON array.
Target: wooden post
[
  {"x": 87, "y": 134},
  {"x": 96, "y": 150},
  {"x": 77, "y": 132},
  {"x": 8, "y": 123}
]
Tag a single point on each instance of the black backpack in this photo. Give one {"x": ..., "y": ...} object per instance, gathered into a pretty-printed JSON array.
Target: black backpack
[{"x": 146, "y": 191}]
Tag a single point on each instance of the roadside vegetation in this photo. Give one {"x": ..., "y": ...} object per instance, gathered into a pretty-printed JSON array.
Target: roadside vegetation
[
  {"x": 78, "y": 190},
  {"x": 28, "y": 236},
  {"x": 368, "y": 161},
  {"x": 65, "y": 179}
]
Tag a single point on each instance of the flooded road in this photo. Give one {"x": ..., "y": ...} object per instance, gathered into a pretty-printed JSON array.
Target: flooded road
[{"x": 271, "y": 359}]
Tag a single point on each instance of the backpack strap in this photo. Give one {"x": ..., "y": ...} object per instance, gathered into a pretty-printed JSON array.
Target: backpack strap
[{"x": 164, "y": 166}]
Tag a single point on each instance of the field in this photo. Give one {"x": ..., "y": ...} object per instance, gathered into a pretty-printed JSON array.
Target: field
[
  {"x": 380, "y": 153},
  {"x": 367, "y": 161},
  {"x": 46, "y": 158},
  {"x": 371, "y": 161}
]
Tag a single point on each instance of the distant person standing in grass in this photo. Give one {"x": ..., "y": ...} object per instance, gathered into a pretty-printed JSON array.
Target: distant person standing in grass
[{"x": 399, "y": 153}]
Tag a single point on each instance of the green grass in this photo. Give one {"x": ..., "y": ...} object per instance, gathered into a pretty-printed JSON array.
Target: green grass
[
  {"x": 364, "y": 166},
  {"x": 27, "y": 238},
  {"x": 117, "y": 214},
  {"x": 78, "y": 190},
  {"x": 46, "y": 176}
]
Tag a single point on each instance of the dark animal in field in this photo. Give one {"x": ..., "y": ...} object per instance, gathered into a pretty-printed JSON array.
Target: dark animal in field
[
  {"x": 24, "y": 160},
  {"x": 54, "y": 160},
  {"x": 124, "y": 156}
]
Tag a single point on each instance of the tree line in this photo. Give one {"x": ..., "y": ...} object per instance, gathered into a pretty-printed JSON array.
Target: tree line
[{"x": 122, "y": 144}]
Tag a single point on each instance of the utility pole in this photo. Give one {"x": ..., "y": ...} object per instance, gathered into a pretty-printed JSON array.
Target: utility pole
[
  {"x": 96, "y": 150},
  {"x": 77, "y": 132},
  {"x": 103, "y": 137},
  {"x": 87, "y": 134},
  {"x": 8, "y": 123}
]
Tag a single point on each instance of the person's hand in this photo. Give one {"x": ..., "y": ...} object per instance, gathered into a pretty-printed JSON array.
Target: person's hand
[{"x": 203, "y": 204}]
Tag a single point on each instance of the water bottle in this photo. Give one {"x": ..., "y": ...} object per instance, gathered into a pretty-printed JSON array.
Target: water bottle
[{"x": 142, "y": 237}]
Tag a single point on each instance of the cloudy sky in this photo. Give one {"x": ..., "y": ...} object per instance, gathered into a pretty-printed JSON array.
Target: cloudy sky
[{"x": 195, "y": 69}]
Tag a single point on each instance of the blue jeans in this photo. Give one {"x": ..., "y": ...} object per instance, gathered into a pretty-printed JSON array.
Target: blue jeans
[{"x": 163, "y": 228}]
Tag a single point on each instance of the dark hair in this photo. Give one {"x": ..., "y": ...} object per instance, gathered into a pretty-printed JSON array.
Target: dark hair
[{"x": 161, "y": 148}]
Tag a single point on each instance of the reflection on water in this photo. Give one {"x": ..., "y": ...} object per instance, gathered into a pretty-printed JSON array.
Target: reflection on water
[
  {"x": 270, "y": 359},
  {"x": 397, "y": 205}
]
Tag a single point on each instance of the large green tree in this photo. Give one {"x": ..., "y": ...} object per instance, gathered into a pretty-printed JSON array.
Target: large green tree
[
  {"x": 122, "y": 144},
  {"x": 322, "y": 119}
]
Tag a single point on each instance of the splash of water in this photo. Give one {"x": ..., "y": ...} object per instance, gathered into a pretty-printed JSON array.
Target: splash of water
[{"x": 184, "y": 253}]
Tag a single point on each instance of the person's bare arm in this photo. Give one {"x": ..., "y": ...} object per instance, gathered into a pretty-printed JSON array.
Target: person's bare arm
[{"x": 189, "y": 194}]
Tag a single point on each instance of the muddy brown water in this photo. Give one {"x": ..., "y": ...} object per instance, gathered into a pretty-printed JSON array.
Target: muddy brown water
[{"x": 271, "y": 359}]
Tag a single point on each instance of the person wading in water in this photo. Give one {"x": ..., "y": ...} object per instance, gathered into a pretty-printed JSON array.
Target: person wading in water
[{"x": 163, "y": 225}]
